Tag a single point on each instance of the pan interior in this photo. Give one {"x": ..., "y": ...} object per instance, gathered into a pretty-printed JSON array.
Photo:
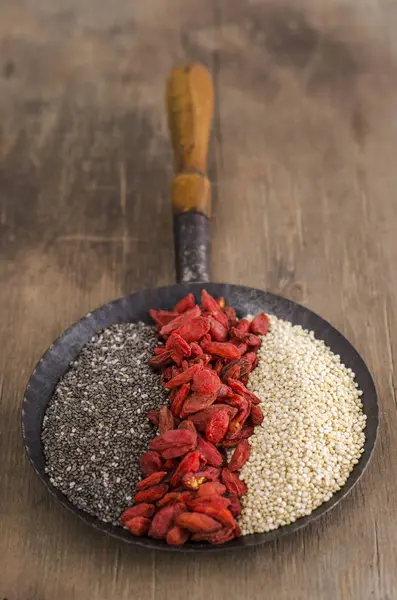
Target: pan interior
[{"x": 55, "y": 362}]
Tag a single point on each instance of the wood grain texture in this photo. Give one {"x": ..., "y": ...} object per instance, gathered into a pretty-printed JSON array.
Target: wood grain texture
[{"x": 302, "y": 161}]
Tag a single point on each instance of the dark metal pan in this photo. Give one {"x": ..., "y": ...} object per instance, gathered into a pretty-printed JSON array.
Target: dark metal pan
[{"x": 190, "y": 104}]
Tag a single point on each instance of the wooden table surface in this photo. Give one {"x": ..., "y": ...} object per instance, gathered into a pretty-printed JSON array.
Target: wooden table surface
[{"x": 304, "y": 170}]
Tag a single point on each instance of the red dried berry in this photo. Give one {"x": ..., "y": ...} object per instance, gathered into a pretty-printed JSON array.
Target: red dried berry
[
  {"x": 222, "y": 349},
  {"x": 185, "y": 304},
  {"x": 187, "y": 424},
  {"x": 209, "y": 452},
  {"x": 151, "y": 480},
  {"x": 177, "y": 536},
  {"x": 162, "y": 317},
  {"x": 196, "y": 402},
  {"x": 166, "y": 420},
  {"x": 240, "y": 455},
  {"x": 184, "y": 377},
  {"x": 152, "y": 494},
  {"x": 235, "y": 505},
  {"x": 194, "y": 329},
  {"x": 153, "y": 416},
  {"x": 138, "y": 526},
  {"x": 179, "y": 399},
  {"x": 260, "y": 324},
  {"x": 256, "y": 415},
  {"x": 140, "y": 510},
  {"x": 197, "y": 522},
  {"x": 217, "y": 426},
  {"x": 234, "y": 485},
  {"x": 173, "y": 439},
  {"x": 150, "y": 462},
  {"x": 176, "y": 343},
  {"x": 206, "y": 382},
  {"x": 189, "y": 464},
  {"x": 212, "y": 488},
  {"x": 180, "y": 320}
]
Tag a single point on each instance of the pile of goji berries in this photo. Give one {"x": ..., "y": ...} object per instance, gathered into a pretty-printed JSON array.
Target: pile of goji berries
[{"x": 191, "y": 490}]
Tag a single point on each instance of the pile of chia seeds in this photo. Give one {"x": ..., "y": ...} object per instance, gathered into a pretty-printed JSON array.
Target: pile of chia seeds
[{"x": 95, "y": 428}]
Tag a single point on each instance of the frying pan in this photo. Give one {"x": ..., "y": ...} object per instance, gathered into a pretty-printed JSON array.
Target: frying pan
[{"x": 190, "y": 106}]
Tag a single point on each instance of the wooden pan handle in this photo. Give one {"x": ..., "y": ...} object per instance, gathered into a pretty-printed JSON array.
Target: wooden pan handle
[{"x": 190, "y": 105}]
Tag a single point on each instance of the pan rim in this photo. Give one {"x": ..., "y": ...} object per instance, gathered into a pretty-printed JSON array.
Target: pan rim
[{"x": 93, "y": 317}]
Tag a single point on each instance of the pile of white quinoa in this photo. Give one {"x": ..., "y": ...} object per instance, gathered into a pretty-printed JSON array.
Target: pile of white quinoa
[{"x": 312, "y": 433}]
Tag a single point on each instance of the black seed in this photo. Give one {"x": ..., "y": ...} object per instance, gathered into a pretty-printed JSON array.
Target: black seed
[{"x": 95, "y": 428}]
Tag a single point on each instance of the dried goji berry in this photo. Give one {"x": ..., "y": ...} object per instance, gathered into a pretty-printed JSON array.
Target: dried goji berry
[
  {"x": 212, "y": 488},
  {"x": 209, "y": 303},
  {"x": 174, "y": 438},
  {"x": 170, "y": 464},
  {"x": 187, "y": 424},
  {"x": 150, "y": 462},
  {"x": 206, "y": 382},
  {"x": 175, "y": 451},
  {"x": 209, "y": 473},
  {"x": 243, "y": 325},
  {"x": 138, "y": 526},
  {"x": 187, "y": 316},
  {"x": 184, "y": 377},
  {"x": 177, "y": 536},
  {"x": 194, "y": 329},
  {"x": 196, "y": 350},
  {"x": 152, "y": 494},
  {"x": 224, "y": 390},
  {"x": 256, "y": 415},
  {"x": 179, "y": 398},
  {"x": 219, "y": 537},
  {"x": 166, "y": 420},
  {"x": 196, "y": 402},
  {"x": 218, "y": 366},
  {"x": 235, "y": 505},
  {"x": 167, "y": 374},
  {"x": 185, "y": 304},
  {"x": 162, "y": 522},
  {"x": 222, "y": 349},
  {"x": 189, "y": 464},
  {"x": 159, "y": 361},
  {"x": 153, "y": 416},
  {"x": 241, "y": 347},
  {"x": 223, "y": 515},
  {"x": 140, "y": 510},
  {"x": 158, "y": 350},
  {"x": 218, "y": 501},
  {"x": 175, "y": 498},
  {"x": 176, "y": 370},
  {"x": 260, "y": 324},
  {"x": 209, "y": 452},
  {"x": 151, "y": 480},
  {"x": 234, "y": 485},
  {"x": 217, "y": 426},
  {"x": 218, "y": 332},
  {"x": 231, "y": 370},
  {"x": 240, "y": 455},
  {"x": 162, "y": 317},
  {"x": 231, "y": 315},
  {"x": 201, "y": 418},
  {"x": 247, "y": 431},
  {"x": 239, "y": 388},
  {"x": 205, "y": 359},
  {"x": 177, "y": 343},
  {"x": 192, "y": 481},
  {"x": 245, "y": 369},
  {"x": 197, "y": 522}
]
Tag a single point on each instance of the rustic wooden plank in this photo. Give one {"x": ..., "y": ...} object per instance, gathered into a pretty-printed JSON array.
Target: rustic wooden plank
[{"x": 302, "y": 157}]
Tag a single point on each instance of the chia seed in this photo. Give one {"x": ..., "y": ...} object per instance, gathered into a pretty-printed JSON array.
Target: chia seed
[{"x": 95, "y": 427}]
